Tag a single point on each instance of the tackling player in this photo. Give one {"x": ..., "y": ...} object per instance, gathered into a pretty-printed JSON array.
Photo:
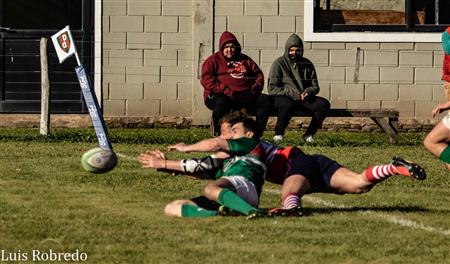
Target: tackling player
[
  {"x": 238, "y": 182},
  {"x": 299, "y": 174}
]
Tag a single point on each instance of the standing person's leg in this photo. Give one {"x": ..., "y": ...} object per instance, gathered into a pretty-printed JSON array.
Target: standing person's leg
[
  {"x": 284, "y": 106},
  {"x": 436, "y": 140},
  {"x": 220, "y": 105},
  {"x": 318, "y": 107},
  {"x": 262, "y": 111}
]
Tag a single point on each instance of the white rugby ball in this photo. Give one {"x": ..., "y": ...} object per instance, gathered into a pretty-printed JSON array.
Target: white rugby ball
[{"x": 98, "y": 160}]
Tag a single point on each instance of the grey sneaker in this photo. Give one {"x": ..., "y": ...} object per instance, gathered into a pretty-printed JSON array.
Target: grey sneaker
[
  {"x": 309, "y": 139},
  {"x": 278, "y": 138}
]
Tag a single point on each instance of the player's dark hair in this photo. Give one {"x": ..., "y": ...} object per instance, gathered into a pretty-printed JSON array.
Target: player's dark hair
[
  {"x": 228, "y": 118},
  {"x": 249, "y": 124}
]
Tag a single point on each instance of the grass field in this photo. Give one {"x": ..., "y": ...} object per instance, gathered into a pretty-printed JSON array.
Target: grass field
[{"x": 48, "y": 202}]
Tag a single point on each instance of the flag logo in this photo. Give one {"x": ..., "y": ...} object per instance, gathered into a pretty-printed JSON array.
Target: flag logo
[{"x": 63, "y": 43}]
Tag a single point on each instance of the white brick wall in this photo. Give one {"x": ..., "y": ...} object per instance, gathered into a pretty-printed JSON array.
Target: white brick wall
[
  {"x": 147, "y": 47},
  {"x": 149, "y": 58}
]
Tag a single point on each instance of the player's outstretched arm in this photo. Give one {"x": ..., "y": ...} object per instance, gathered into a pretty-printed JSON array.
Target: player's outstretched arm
[
  {"x": 212, "y": 144},
  {"x": 156, "y": 159},
  {"x": 196, "y": 167}
]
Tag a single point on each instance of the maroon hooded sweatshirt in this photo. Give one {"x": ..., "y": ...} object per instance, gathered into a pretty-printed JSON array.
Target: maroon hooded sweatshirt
[{"x": 239, "y": 77}]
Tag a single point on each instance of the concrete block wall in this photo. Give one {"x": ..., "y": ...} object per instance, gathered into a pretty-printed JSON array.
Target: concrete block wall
[
  {"x": 148, "y": 58},
  {"x": 398, "y": 75}
]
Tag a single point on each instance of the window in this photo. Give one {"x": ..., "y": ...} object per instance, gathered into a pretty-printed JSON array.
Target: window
[
  {"x": 381, "y": 15},
  {"x": 40, "y": 14}
]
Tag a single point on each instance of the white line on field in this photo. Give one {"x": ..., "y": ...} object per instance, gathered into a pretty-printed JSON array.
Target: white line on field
[
  {"x": 386, "y": 217},
  {"x": 124, "y": 156}
]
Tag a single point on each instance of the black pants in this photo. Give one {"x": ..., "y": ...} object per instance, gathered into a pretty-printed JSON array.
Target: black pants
[
  {"x": 221, "y": 105},
  {"x": 317, "y": 106}
]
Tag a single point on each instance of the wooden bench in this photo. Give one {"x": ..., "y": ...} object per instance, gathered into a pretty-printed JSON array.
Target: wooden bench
[{"x": 386, "y": 119}]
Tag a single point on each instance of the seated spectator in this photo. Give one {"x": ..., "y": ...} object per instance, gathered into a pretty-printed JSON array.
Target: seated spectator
[
  {"x": 293, "y": 85},
  {"x": 232, "y": 81}
]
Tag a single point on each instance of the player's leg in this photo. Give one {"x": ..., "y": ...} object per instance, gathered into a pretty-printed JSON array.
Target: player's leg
[
  {"x": 293, "y": 188},
  {"x": 436, "y": 141},
  {"x": 300, "y": 169},
  {"x": 344, "y": 180},
  {"x": 174, "y": 208},
  {"x": 234, "y": 192},
  {"x": 196, "y": 207}
]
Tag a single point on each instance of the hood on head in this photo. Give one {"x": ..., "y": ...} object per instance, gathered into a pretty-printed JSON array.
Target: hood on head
[
  {"x": 228, "y": 37},
  {"x": 293, "y": 40}
]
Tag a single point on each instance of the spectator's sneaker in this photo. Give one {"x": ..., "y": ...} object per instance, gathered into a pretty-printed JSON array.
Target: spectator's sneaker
[
  {"x": 260, "y": 213},
  {"x": 309, "y": 139},
  {"x": 294, "y": 211},
  {"x": 410, "y": 169},
  {"x": 225, "y": 211},
  {"x": 278, "y": 138}
]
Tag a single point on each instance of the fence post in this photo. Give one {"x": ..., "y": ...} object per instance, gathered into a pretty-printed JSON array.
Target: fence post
[{"x": 45, "y": 90}]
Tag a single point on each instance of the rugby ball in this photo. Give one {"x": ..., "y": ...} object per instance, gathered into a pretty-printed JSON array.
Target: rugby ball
[{"x": 98, "y": 160}]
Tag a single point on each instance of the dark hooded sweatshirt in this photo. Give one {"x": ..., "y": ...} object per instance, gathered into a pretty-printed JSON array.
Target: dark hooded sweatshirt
[
  {"x": 291, "y": 78},
  {"x": 239, "y": 77}
]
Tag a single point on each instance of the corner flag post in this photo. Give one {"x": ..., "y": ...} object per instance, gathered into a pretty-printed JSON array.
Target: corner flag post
[{"x": 65, "y": 47}]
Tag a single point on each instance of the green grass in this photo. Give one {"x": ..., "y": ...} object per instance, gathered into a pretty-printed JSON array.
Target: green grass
[{"x": 48, "y": 202}]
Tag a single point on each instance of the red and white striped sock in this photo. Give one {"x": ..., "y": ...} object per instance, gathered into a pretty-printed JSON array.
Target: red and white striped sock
[
  {"x": 381, "y": 172},
  {"x": 291, "y": 200}
]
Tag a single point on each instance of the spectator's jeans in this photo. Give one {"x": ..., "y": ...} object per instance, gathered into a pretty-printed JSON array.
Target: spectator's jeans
[
  {"x": 315, "y": 105},
  {"x": 221, "y": 105}
]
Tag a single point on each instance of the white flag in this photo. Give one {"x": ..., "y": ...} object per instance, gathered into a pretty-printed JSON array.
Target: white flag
[{"x": 63, "y": 43}]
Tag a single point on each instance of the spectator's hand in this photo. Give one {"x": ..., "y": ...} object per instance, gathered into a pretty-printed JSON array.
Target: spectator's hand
[
  {"x": 152, "y": 159},
  {"x": 303, "y": 96},
  {"x": 181, "y": 147},
  {"x": 228, "y": 92}
]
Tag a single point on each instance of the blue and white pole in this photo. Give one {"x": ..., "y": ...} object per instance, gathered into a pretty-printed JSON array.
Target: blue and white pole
[{"x": 93, "y": 108}]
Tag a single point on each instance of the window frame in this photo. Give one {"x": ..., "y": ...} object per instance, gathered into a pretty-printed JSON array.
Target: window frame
[{"x": 310, "y": 13}]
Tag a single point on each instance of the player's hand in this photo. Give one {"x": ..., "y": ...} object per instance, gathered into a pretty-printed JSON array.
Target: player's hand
[
  {"x": 148, "y": 160},
  {"x": 181, "y": 147},
  {"x": 437, "y": 110},
  {"x": 157, "y": 153}
]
